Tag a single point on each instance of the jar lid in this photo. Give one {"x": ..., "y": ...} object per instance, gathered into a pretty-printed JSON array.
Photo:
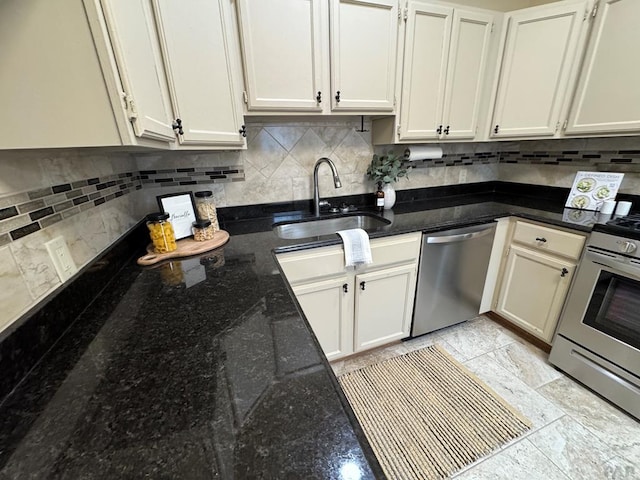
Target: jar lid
[
  {"x": 203, "y": 193},
  {"x": 202, "y": 223},
  {"x": 157, "y": 216}
]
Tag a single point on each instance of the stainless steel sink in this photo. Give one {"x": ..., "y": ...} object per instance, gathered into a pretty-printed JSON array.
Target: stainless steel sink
[{"x": 316, "y": 227}]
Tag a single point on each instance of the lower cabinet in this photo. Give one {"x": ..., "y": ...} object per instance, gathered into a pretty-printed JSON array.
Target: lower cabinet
[
  {"x": 355, "y": 310},
  {"x": 533, "y": 291},
  {"x": 383, "y": 306},
  {"x": 328, "y": 306},
  {"x": 537, "y": 270}
]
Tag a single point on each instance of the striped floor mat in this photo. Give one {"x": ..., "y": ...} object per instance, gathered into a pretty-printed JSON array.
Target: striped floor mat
[{"x": 426, "y": 416}]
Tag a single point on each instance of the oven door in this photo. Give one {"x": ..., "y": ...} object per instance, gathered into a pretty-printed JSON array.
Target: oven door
[{"x": 603, "y": 309}]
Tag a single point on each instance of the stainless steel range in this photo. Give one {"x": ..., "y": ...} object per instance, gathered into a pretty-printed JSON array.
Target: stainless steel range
[{"x": 598, "y": 339}]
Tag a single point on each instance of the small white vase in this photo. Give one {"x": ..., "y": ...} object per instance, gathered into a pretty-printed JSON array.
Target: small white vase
[{"x": 389, "y": 196}]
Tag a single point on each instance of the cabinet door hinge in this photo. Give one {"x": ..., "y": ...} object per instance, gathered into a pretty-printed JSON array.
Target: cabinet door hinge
[
  {"x": 594, "y": 12},
  {"x": 406, "y": 14},
  {"x": 245, "y": 97},
  {"x": 557, "y": 127},
  {"x": 398, "y": 130},
  {"x": 492, "y": 26},
  {"x": 130, "y": 106},
  {"x": 508, "y": 250}
]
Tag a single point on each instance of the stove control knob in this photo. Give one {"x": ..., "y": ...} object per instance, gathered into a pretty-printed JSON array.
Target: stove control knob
[{"x": 630, "y": 247}]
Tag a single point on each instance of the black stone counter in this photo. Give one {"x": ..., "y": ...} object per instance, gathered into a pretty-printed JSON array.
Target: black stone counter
[{"x": 204, "y": 368}]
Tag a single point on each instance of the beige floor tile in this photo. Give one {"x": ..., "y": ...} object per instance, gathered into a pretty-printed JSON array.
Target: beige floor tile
[
  {"x": 514, "y": 391},
  {"x": 526, "y": 362},
  {"x": 476, "y": 337},
  {"x": 575, "y": 450},
  {"x": 620, "y": 469},
  {"x": 521, "y": 461},
  {"x": 615, "y": 428}
]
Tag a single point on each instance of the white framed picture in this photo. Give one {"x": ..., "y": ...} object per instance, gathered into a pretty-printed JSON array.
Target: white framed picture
[{"x": 181, "y": 210}]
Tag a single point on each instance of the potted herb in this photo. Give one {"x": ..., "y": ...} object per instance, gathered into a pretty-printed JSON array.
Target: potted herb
[{"x": 386, "y": 169}]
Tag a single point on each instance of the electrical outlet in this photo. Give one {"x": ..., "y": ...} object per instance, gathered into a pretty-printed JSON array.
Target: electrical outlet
[
  {"x": 462, "y": 177},
  {"x": 61, "y": 257}
]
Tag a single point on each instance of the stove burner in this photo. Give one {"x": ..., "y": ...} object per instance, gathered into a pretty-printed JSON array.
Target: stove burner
[{"x": 631, "y": 222}]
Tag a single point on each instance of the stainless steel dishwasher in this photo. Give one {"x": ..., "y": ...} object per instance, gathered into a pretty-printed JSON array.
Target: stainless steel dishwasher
[{"x": 451, "y": 276}]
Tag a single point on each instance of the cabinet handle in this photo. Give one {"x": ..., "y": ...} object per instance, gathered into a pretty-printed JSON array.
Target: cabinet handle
[
  {"x": 446, "y": 130},
  {"x": 177, "y": 125},
  {"x": 243, "y": 131},
  {"x": 338, "y": 96},
  {"x": 439, "y": 130},
  {"x": 541, "y": 239},
  {"x": 363, "y": 284},
  {"x": 319, "y": 97},
  {"x": 495, "y": 130},
  {"x": 564, "y": 272},
  {"x": 345, "y": 288}
]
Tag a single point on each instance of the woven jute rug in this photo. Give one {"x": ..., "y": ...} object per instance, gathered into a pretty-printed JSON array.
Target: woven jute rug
[{"x": 426, "y": 416}]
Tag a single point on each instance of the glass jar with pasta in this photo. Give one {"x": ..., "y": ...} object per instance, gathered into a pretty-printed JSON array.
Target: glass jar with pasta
[
  {"x": 206, "y": 209},
  {"x": 161, "y": 232},
  {"x": 202, "y": 230}
]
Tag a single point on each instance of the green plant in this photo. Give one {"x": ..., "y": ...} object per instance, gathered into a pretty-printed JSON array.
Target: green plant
[{"x": 386, "y": 168}]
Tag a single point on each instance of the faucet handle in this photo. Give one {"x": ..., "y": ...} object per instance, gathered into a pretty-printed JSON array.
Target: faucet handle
[{"x": 324, "y": 203}]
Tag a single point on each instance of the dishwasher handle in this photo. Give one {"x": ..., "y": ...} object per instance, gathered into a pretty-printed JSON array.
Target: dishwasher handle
[{"x": 460, "y": 237}]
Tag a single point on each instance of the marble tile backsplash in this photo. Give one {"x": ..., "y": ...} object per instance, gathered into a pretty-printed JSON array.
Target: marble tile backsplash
[
  {"x": 45, "y": 194},
  {"x": 279, "y": 160},
  {"x": 276, "y": 167}
]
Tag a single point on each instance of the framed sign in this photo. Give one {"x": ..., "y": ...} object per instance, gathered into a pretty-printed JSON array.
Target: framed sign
[
  {"x": 591, "y": 189},
  {"x": 182, "y": 212}
]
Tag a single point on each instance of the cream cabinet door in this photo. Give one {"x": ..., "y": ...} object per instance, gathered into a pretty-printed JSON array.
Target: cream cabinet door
[
  {"x": 539, "y": 52},
  {"x": 199, "y": 55},
  {"x": 363, "y": 54},
  {"x": 283, "y": 43},
  {"x": 534, "y": 288},
  {"x": 608, "y": 93},
  {"x": 134, "y": 39},
  {"x": 425, "y": 71},
  {"x": 328, "y": 306},
  {"x": 468, "y": 54},
  {"x": 383, "y": 306}
]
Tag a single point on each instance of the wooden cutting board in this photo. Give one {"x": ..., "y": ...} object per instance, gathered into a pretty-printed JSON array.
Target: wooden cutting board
[{"x": 186, "y": 248}]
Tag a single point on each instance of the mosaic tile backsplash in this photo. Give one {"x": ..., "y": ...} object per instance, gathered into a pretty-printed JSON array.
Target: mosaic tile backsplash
[{"x": 92, "y": 198}]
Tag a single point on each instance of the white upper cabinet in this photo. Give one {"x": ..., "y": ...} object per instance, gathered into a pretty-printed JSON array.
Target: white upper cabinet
[
  {"x": 540, "y": 55},
  {"x": 199, "y": 59},
  {"x": 283, "y": 47},
  {"x": 607, "y": 98},
  {"x": 120, "y": 73},
  {"x": 292, "y": 64},
  {"x": 135, "y": 46},
  {"x": 363, "y": 54},
  {"x": 468, "y": 59},
  {"x": 445, "y": 60},
  {"x": 425, "y": 70}
]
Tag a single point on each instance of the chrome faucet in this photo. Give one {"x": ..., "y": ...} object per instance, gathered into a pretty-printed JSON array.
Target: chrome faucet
[{"x": 316, "y": 195}]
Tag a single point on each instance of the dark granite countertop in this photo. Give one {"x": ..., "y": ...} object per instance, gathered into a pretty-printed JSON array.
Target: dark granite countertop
[{"x": 204, "y": 368}]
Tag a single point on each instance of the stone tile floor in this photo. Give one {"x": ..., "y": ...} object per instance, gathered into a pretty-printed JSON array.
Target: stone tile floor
[{"x": 575, "y": 434}]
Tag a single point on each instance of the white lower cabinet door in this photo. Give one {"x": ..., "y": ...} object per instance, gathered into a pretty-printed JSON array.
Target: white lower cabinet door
[
  {"x": 383, "y": 306},
  {"x": 328, "y": 306},
  {"x": 534, "y": 288}
]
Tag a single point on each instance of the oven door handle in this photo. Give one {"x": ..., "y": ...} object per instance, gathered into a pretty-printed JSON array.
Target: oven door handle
[{"x": 613, "y": 265}]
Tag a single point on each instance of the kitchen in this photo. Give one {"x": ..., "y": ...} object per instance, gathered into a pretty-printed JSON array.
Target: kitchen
[{"x": 275, "y": 168}]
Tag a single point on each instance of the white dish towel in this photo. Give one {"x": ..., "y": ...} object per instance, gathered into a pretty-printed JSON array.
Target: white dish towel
[{"x": 357, "y": 250}]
